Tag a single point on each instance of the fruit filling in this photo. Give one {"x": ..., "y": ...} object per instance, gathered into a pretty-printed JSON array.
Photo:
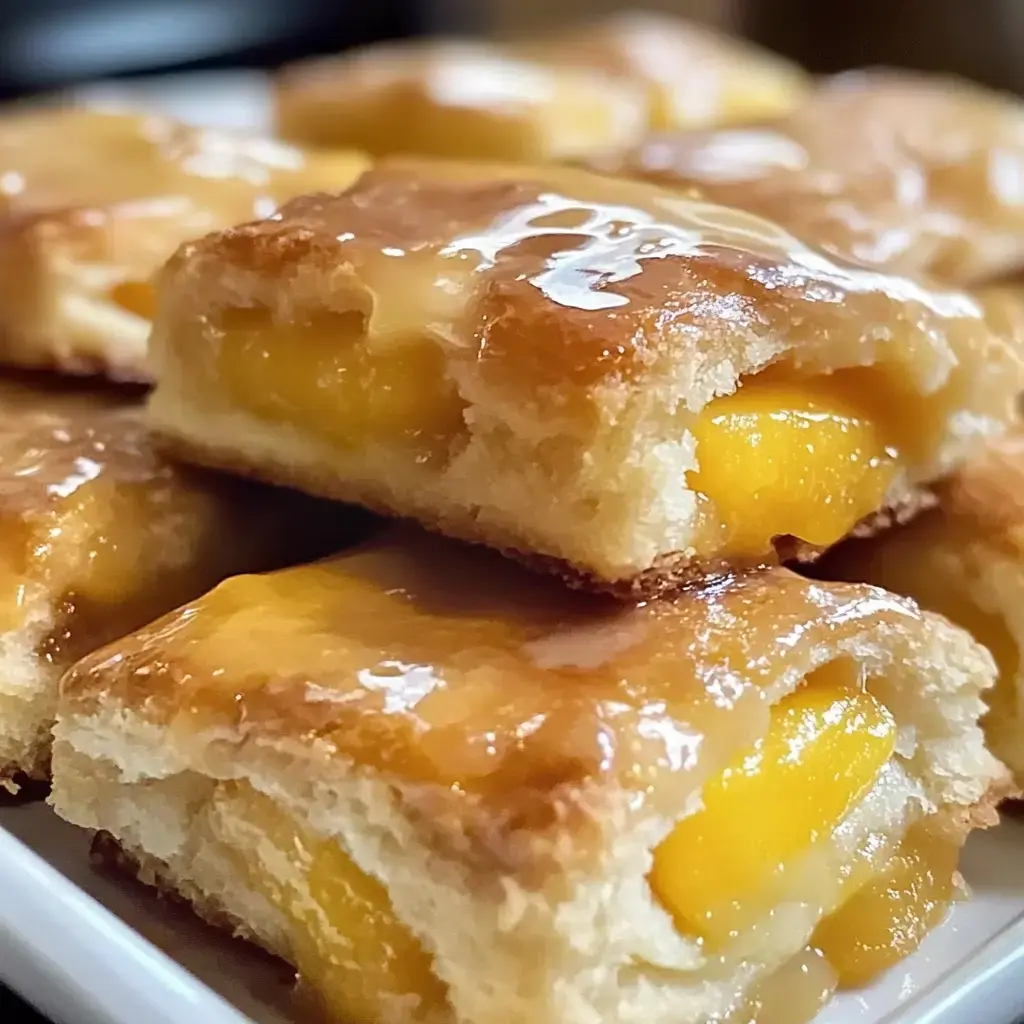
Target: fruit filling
[
  {"x": 352, "y": 952},
  {"x": 827, "y": 743},
  {"x": 136, "y": 297},
  {"x": 320, "y": 376},
  {"x": 721, "y": 868},
  {"x": 802, "y": 458}
]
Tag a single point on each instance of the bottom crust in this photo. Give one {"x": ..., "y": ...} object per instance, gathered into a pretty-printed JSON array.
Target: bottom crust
[
  {"x": 106, "y": 851},
  {"x": 670, "y": 573}
]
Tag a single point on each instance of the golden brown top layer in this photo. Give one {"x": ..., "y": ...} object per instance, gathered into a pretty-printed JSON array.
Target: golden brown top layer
[
  {"x": 432, "y": 663},
  {"x": 152, "y": 166},
  {"x": 900, "y": 171},
  {"x": 458, "y": 99},
  {"x": 559, "y": 277},
  {"x": 698, "y": 76}
]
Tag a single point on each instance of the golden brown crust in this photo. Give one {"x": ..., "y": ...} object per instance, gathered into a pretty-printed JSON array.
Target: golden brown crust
[
  {"x": 562, "y": 686},
  {"x": 568, "y": 364},
  {"x": 835, "y": 172},
  {"x": 81, "y": 230}
]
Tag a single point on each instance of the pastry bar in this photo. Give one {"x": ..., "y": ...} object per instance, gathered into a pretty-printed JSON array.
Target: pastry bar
[
  {"x": 454, "y": 98},
  {"x": 912, "y": 173},
  {"x": 449, "y": 790},
  {"x": 694, "y": 76},
  {"x": 560, "y": 97},
  {"x": 98, "y": 535},
  {"x": 965, "y": 560},
  {"x": 92, "y": 203},
  {"x": 595, "y": 373}
]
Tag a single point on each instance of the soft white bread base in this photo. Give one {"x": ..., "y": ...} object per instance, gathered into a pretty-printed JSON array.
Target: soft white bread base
[{"x": 590, "y": 944}]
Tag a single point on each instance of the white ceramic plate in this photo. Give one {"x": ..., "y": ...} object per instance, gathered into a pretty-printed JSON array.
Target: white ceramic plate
[{"x": 89, "y": 947}]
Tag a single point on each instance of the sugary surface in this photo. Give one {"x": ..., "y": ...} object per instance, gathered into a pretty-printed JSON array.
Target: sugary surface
[
  {"x": 554, "y": 278},
  {"x": 895, "y": 170},
  {"x": 428, "y": 663}
]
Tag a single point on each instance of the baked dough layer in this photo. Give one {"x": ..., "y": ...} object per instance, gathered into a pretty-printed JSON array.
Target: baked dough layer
[
  {"x": 457, "y": 99},
  {"x": 532, "y": 358},
  {"x": 907, "y": 172},
  {"x": 502, "y": 758},
  {"x": 965, "y": 559},
  {"x": 100, "y": 535},
  {"x": 540, "y": 99},
  {"x": 695, "y": 76},
  {"x": 92, "y": 203}
]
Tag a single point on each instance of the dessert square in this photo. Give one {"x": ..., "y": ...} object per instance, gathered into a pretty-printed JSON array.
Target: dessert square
[
  {"x": 446, "y": 789},
  {"x": 600, "y": 376},
  {"x": 99, "y": 534}
]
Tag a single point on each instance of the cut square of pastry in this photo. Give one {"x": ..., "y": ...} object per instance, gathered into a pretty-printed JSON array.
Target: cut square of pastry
[
  {"x": 446, "y": 789},
  {"x": 457, "y": 99},
  {"x": 98, "y": 535},
  {"x": 598, "y": 375},
  {"x": 965, "y": 559},
  {"x": 693, "y": 75},
  {"x": 909, "y": 172},
  {"x": 92, "y": 203}
]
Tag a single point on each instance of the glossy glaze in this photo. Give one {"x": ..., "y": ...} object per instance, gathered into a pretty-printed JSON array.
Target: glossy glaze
[
  {"x": 149, "y": 165},
  {"x": 896, "y": 171},
  {"x": 100, "y": 529},
  {"x": 557, "y": 278},
  {"x": 429, "y": 662}
]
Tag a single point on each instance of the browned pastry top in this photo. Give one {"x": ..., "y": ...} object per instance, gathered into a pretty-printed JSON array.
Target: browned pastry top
[{"x": 902, "y": 171}]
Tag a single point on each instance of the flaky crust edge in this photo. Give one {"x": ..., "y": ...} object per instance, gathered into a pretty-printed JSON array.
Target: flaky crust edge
[{"x": 669, "y": 574}]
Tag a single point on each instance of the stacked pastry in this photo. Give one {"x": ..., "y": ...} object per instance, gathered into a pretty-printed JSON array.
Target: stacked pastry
[
  {"x": 446, "y": 786},
  {"x": 101, "y": 533},
  {"x": 565, "y": 742},
  {"x": 920, "y": 175}
]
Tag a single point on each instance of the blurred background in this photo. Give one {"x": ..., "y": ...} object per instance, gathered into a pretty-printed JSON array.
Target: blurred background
[{"x": 48, "y": 44}]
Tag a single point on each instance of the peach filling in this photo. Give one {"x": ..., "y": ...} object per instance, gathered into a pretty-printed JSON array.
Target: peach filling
[
  {"x": 826, "y": 745},
  {"x": 803, "y": 458},
  {"x": 320, "y": 376}
]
